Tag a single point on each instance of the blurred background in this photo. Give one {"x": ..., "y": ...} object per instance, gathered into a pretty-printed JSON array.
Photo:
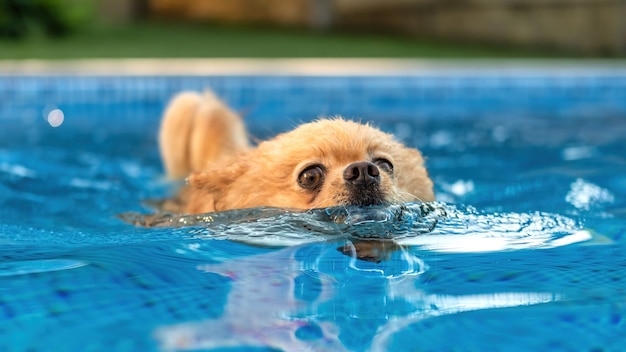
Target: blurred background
[{"x": 312, "y": 28}]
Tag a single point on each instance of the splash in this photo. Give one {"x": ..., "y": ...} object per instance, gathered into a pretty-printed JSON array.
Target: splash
[
  {"x": 430, "y": 226},
  {"x": 465, "y": 230},
  {"x": 585, "y": 195}
]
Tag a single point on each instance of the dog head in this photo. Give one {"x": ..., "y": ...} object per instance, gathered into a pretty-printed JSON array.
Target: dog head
[{"x": 325, "y": 163}]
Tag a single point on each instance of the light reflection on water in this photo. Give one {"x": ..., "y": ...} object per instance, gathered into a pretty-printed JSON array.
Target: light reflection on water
[
  {"x": 431, "y": 226},
  {"x": 305, "y": 289},
  {"x": 456, "y": 276},
  {"x": 275, "y": 278},
  {"x": 278, "y": 297}
]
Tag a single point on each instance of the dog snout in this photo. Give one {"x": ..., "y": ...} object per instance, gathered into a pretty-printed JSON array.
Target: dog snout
[{"x": 361, "y": 173}]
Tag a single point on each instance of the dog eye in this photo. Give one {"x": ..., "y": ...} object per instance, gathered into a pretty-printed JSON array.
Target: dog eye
[
  {"x": 384, "y": 164},
  {"x": 311, "y": 177}
]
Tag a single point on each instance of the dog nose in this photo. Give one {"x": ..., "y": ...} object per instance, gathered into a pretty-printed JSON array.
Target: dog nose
[{"x": 361, "y": 173}]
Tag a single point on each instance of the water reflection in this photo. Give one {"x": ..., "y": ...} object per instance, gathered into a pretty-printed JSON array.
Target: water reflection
[{"x": 313, "y": 298}]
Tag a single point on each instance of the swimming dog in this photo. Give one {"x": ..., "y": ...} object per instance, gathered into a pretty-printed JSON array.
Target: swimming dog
[{"x": 324, "y": 163}]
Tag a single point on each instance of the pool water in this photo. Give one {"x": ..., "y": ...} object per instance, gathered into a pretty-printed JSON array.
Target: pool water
[{"x": 528, "y": 250}]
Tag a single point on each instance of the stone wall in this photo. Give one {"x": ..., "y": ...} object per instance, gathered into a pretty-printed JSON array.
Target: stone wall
[
  {"x": 292, "y": 12},
  {"x": 580, "y": 26},
  {"x": 583, "y": 26}
]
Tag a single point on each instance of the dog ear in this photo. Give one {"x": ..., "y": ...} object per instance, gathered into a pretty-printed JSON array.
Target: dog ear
[
  {"x": 198, "y": 129},
  {"x": 412, "y": 176},
  {"x": 176, "y": 127}
]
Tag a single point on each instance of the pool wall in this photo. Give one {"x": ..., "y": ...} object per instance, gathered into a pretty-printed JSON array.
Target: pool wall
[{"x": 281, "y": 100}]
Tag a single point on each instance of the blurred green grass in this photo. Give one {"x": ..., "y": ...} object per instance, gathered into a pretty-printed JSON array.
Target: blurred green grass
[{"x": 153, "y": 39}]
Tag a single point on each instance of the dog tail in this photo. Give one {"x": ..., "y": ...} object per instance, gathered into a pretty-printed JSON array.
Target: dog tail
[{"x": 197, "y": 130}]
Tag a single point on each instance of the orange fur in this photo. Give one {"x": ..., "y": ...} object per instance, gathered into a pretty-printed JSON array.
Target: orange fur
[
  {"x": 227, "y": 174},
  {"x": 196, "y": 130}
]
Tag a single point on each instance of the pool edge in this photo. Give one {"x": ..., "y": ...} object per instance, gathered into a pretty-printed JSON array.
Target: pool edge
[{"x": 307, "y": 67}]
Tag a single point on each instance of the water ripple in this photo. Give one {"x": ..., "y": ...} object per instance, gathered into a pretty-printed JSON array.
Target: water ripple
[
  {"x": 25, "y": 267},
  {"x": 430, "y": 226},
  {"x": 466, "y": 230}
]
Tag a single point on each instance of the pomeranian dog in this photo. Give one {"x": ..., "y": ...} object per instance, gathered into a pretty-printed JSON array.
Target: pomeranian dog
[
  {"x": 320, "y": 164},
  {"x": 328, "y": 162}
]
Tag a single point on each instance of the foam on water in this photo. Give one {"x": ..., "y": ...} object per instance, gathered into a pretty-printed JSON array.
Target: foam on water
[{"x": 429, "y": 226}]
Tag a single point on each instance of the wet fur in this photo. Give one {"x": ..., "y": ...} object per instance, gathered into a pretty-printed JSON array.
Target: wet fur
[{"x": 202, "y": 139}]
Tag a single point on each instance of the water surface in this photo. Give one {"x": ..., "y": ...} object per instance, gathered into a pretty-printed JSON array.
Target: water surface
[{"x": 525, "y": 248}]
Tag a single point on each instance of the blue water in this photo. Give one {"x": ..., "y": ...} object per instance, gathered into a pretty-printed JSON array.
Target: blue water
[{"x": 528, "y": 251}]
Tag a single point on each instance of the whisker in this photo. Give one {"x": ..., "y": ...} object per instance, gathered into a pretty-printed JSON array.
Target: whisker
[
  {"x": 316, "y": 205},
  {"x": 408, "y": 196}
]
